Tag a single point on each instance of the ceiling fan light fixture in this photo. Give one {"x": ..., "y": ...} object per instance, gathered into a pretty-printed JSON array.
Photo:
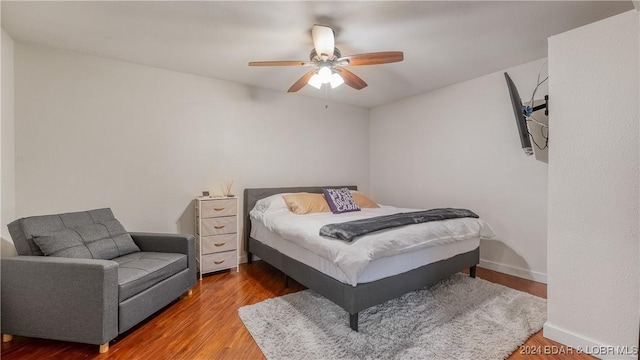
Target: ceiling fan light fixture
[
  {"x": 325, "y": 74},
  {"x": 315, "y": 81},
  {"x": 336, "y": 80}
]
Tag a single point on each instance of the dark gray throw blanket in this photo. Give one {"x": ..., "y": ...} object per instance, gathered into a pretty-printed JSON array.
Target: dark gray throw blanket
[{"x": 349, "y": 230}]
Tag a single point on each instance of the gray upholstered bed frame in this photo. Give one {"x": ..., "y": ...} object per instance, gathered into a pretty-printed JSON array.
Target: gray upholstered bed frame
[{"x": 351, "y": 298}]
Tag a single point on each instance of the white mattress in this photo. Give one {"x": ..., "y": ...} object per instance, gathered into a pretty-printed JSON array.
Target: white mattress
[{"x": 376, "y": 269}]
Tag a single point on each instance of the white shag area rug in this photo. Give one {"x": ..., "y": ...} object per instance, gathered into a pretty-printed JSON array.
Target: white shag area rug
[{"x": 457, "y": 318}]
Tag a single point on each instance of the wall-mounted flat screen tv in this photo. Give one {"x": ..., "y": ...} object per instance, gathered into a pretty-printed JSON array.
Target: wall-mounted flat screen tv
[{"x": 523, "y": 130}]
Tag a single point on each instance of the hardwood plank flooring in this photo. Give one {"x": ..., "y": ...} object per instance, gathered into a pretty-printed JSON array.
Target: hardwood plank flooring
[{"x": 206, "y": 325}]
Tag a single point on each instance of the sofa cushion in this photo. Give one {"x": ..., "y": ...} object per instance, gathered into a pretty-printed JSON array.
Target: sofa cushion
[
  {"x": 63, "y": 243},
  {"x": 105, "y": 241},
  {"x": 141, "y": 270},
  {"x": 24, "y": 230}
]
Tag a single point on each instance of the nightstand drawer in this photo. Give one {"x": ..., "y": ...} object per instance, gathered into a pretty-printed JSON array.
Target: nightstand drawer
[
  {"x": 219, "y": 243},
  {"x": 217, "y": 208},
  {"x": 218, "y": 261},
  {"x": 218, "y": 226}
]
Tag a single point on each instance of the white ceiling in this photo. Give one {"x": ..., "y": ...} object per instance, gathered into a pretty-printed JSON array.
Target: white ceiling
[{"x": 443, "y": 42}]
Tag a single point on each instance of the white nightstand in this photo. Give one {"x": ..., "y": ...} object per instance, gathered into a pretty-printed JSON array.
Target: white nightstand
[{"x": 216, "y": 233}]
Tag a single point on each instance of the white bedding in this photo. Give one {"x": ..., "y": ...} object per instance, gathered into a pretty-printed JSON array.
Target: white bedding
[
  {"x": 376, "y": 270},
  {"x": 353, "y": 257}
]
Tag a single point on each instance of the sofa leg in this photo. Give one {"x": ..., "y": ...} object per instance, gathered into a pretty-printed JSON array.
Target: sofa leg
[
  {"x": 189, "y": 292},
  {"x": 104, "y": 348},
  {"x": 6, "y": 338}
]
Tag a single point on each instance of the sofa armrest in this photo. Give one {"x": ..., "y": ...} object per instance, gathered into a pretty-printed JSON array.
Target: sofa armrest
[
  {"x": 171, "y": 243},
  {"x": 58, "y": 298}
]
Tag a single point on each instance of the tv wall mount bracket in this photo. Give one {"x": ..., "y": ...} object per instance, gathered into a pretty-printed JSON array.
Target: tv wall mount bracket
[{"x": 528, "y": 110}]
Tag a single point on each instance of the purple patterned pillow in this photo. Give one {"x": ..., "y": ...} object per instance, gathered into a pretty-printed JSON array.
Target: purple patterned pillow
[{"x": 340, "y": 200}]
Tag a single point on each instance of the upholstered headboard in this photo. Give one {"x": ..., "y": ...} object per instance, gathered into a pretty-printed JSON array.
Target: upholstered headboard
[{"x": 251, "y": 196}]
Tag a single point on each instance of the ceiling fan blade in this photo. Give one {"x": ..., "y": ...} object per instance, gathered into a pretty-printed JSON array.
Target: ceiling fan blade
[
  {"x": 280, "y": 63},
  {"x": 323, "y": 41},
  {"x": 384, "y": 57},
  {"x": 302, "y": 81},
  {"x": 351, "y": 79}
]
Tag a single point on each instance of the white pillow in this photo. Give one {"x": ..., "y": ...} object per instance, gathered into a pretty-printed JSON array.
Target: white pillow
[{"x": 273, "y": 202}]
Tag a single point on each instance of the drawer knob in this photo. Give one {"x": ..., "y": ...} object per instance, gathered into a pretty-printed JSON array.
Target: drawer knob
[
  {"x": 218, "y": 209},
  {"x": 218, "y": 262},
  {"x": 218, "y": 226},
  {"x": 219, "y": 244}
]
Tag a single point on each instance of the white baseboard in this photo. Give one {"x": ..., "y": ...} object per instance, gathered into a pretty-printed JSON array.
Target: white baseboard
[
  {"x": 515, "y": 271},
  {"x": 586, "y": 345}
]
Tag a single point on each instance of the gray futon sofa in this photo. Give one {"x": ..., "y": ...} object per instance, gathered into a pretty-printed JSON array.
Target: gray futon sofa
[{"x": 97, "y": 281}]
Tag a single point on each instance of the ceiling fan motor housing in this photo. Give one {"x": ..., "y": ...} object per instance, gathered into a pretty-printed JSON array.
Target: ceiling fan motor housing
[{"x": 316, "y": 58}]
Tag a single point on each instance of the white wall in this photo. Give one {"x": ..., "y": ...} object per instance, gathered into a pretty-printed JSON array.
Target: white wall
[
  {"x": 7, "y": 162},
  {"x": 94, "y": 132},
  {"x": 593, "y": 244},
  {"x": 459, "y": 147}
]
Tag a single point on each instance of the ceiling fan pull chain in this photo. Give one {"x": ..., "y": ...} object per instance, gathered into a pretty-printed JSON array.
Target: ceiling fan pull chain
[{"x": 326, "y": 96}]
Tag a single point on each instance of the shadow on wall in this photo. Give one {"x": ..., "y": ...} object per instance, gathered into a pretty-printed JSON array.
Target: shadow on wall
[
  {"x": 258, "y": 95},
  {"x": 6, "y": 248},
  {"x": 499, "y": 253},
  {"x": 186, "y": 222}
]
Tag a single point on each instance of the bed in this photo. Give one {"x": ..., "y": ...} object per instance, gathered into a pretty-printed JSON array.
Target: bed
[{"x": 379, "y": 281}]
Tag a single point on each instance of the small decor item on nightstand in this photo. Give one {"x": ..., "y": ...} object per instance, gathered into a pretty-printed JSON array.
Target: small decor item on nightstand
[
  {"x": 205, "y": 193},
  {"x": 226, "y": 188}
]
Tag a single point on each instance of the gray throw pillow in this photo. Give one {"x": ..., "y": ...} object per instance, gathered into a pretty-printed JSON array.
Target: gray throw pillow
[{"x": 105, "y": 240}]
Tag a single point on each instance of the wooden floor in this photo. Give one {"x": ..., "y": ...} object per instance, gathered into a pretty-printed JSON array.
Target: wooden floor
[{"x": 206, "y": 325}]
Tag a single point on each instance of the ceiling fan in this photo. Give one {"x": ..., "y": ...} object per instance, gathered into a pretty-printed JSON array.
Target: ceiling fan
[{"x": 328, "y": 63}]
